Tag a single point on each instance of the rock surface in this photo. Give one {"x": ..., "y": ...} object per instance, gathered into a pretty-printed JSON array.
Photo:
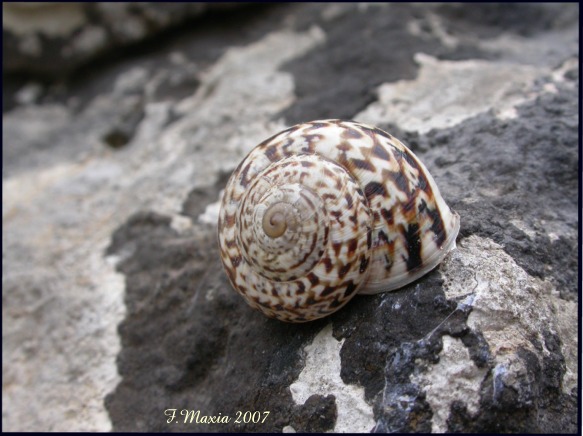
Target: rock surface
[
  {"x": 117, "y": 313},
  {"x": 52, "y": 38}
]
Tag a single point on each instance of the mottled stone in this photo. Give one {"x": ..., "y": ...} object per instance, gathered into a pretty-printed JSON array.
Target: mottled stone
[
  {"x": 56, "y": 38},
  {"x": 115, "y": 304}
]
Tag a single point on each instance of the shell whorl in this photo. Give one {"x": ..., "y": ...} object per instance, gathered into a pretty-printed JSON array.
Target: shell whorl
[{"x": 325, "y": 210}]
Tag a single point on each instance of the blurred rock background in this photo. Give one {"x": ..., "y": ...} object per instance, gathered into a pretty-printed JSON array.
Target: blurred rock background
[{"x": 121, "y": 124}]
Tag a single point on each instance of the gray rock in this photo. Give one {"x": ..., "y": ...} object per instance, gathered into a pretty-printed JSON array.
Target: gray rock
[
  {"x": 56, "y": 38},
  {"x": 118, "y": 315}
]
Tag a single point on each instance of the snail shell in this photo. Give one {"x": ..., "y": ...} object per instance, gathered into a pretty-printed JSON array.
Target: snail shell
[{"x": 325, "y": 210}]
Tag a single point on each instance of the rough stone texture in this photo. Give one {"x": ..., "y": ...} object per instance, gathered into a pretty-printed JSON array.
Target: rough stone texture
[
  {"x": 115, "y": 305},
  {"x": 52, "y": 38}
]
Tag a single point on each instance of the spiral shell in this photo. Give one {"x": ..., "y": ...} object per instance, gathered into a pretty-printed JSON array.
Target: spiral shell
[{"x": 325, "y": 210}]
